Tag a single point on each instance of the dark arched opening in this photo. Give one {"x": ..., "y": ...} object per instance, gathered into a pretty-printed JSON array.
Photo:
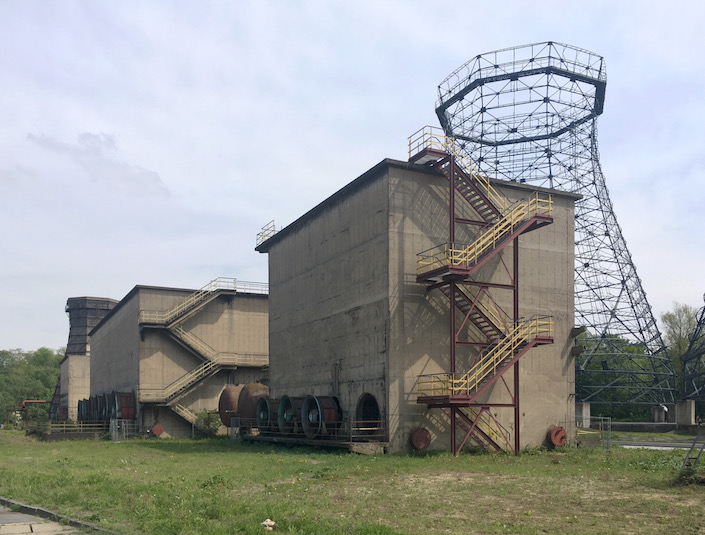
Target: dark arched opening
[{"x": 368, "y": 420}]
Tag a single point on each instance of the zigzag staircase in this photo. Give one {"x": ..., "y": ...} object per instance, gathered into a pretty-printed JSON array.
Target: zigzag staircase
[
  {"x": 480, "y": 426},
  {"x": 213, "y": 361},
  {"x": 466, "y": 259},
  {"x": 197, "y": 300},
  {"x": 478, "y": 308},
  {"x": 436, "y": 389},
  {"x": 450, "y": 267}
]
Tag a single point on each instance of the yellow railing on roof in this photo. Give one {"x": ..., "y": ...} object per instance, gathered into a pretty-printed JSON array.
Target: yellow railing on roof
[
  {"x": 430, "y": 137},
  {"x": 489, "y": 237},
  {"x": 267, "y": 232},
  {"x": 466, "y": 384},
  {"x": 221, "y": 283}
]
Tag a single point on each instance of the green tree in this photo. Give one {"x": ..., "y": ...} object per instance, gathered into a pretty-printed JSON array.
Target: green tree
[
  {"x": 28, "y": 375},
  {"x": 208, "y": 422},
  {"x": 678, "y": 325}
]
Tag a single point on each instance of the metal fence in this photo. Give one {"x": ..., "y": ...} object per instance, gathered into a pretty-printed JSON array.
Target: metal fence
[
  {"x": 593, "y": 432},
  {"x": 70, "y": 427},
  {"x": 123, "y": 429}
]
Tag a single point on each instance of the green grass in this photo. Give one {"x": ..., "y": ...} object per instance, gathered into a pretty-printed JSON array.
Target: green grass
[
  {"x": 638, "y": 436},
  {"x": 217, "y": 486}
]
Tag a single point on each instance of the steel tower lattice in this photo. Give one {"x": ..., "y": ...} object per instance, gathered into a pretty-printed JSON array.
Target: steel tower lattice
[
  {"x": 529, "y": 114},
  {"x": 694, "y": 361}
]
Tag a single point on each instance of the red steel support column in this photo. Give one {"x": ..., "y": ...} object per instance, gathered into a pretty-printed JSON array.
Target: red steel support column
[
  {"x": 517, "y": 412},
  {"x": 451, "y": 201},
  {"x": 451, "y": 240},
  {"x": 453, "y": 335}
]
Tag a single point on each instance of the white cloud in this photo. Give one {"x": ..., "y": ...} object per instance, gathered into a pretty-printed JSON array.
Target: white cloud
[
  {"x": 97, "y": 155},
  {"x": 149, "y": 142}
]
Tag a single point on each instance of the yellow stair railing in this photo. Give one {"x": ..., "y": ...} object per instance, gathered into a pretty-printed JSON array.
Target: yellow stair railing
[
  {"x": 468, "y": 383},
  {"x": 430, "y": 137},
  {"x": 186, "y": 413},
  {"x": 195, "y": 375},
  {"x": 492, "y": 429},
  {"x": 221, "y": 283},
  {"x": 486, "y": 306},
  {"x": 195, "y": 342},
  {"x": 467, "y": 255}
]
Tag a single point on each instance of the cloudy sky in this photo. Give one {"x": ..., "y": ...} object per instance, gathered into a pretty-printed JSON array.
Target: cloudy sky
[{"x": 148, "y": 142}]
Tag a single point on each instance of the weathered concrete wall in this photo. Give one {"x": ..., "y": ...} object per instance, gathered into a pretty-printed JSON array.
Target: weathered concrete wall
[
  {"x": 419, "y": 319},
  {"x": 115, "y": 349},
  {"x": 236, "y": 325},
  {"x": 347, "y": 315},
  {"x": 329, "y": 303},
  {"x": 421, "y": 332},
  {"x": 75, "y": 382},
  {"x": 546, "y": 287},
  {"x": 148, "y": 362}
]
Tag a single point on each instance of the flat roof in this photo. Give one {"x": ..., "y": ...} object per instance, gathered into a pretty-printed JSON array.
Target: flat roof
[
  {"x": 375, "y": 173},
  {"x": 139, "y": 287}
]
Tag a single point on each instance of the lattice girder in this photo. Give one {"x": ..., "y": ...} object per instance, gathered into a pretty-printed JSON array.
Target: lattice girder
[{"x": 529, "y": 114}]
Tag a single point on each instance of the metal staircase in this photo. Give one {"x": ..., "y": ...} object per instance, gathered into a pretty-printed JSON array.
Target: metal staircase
[
  {"x": 186, "y": 413},
  {"x": 481, "y": 310},
  {"x": 451, "y": 267},
  {"x": 193, "y": 342},
  {"x": 468, "y": 386},
  {"x": 191, "y": 303},
  {"x": 213, "y": 361},
  {"x": 521, "y": 217}
]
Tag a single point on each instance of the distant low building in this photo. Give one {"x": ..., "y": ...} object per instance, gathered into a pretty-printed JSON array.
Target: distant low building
[{"x": 175, "y": 350}]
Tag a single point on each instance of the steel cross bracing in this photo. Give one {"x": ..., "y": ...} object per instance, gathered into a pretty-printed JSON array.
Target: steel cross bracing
[
  {"x": 529, "y": 114},
  {"x": 694, "y": 362}
]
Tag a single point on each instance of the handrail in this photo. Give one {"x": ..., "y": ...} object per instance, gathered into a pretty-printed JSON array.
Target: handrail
[
  {"x": 486, "y": 425},
  {"x": 185, "y": 412},
  {"x": 489, "y": 237},
  {"x": 486, "y": 306},
  {"x": 221, "y": 283},
  {"x": 431, "y": 137},
  {"x": 267, "y": 232},
  {"x": 195, "y": 342},
  {"x": 195, "y": 375},
  {"x": 469, "y": 382}
]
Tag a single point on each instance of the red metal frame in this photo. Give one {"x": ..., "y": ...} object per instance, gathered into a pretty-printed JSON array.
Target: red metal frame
[{"x": 450, "y": 280}]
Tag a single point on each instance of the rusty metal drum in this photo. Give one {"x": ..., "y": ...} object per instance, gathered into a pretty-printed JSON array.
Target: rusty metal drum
[{"x": 228, "y": 403}]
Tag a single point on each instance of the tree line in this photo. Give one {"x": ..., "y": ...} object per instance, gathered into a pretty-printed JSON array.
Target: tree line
[
  {"x": 28, "y": 375},
  {"x": 33, "y": 374}
]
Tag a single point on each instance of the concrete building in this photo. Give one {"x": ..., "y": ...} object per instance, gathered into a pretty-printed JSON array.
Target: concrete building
[
  {"x": 352, "y": 315},
  {"x": 74, "y": 381},
  {"x": 176, "y": 349}
]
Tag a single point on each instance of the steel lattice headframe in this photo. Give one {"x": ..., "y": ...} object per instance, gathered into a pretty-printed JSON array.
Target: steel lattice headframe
[
  {"x": 694, "y": 362},
  {"x": 529, "y": 114}
]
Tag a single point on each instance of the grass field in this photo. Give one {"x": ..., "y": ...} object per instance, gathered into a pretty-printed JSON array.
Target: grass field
[
  {"x": 218, "y": 486},
  {"x": 634, "y": 436}
]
